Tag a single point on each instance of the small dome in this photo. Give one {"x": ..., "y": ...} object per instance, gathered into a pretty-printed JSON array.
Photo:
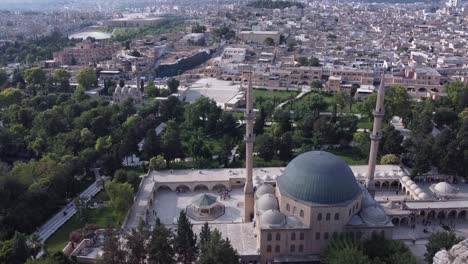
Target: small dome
[
  {"x": 367, "y": 200},
  {"x": 424, "y": 196},
  {"x": 374, "y": 215},
  {"x": 418, "y": 191},
  {"x": 117, "y": 90},
  {"x": 272, "y": 218},
  {"x": 358, "y": 175},
  {"x": 292, "y": 221},
  {"x": 402, "y": 174},
  {"x": 389, "y": 205},
  {"x": 264, "y": 189},
  {"x": 405, "y": 178},
  {"x": 355, "y": 221},
  {"x": 413, "y": 186},
  {"x": 319, "y": 177},
  {"x": 267, "y": 202},
  {"x": 133, "y": 90},
  {"x": 444, "y": 188},
  {"x": 125, "y": 90},
  {"x": 409, "y": 183}
]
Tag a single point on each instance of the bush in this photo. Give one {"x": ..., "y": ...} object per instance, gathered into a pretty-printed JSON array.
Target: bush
[{"x": 390, "y": 159}]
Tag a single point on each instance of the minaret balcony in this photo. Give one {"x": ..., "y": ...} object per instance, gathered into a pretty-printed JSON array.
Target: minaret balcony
[
  {"x": 375, "y": 137},
  {"x": 378, "y": 113},
  {"x": 249, "y": 116},
  {"x": 250, "y": 138}
]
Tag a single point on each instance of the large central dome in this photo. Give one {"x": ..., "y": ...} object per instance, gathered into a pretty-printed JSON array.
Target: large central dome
[{"x": 319, "y": 177}]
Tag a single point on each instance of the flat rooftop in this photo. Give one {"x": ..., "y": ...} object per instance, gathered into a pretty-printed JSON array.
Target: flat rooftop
[{"x": 218, "y": 90}]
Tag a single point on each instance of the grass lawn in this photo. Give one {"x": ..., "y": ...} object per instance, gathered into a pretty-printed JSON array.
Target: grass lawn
[
  {"x": 102, "y": 217},
  {"x": 329, "y": 100},
  {"x": 269, "y": 94},
  {"x": 350, "y": 155},
  {"x": 364, "y": 123}
]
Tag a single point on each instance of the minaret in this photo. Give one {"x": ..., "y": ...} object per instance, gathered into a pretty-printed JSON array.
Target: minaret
[
  {"x": 375, "y": 136},
  {"x": 249, "y": 141}
]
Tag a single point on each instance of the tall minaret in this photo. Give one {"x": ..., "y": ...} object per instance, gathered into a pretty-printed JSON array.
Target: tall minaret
[
  {"x": 249, "y": 141},
  {"x": 375, "y": 136}
]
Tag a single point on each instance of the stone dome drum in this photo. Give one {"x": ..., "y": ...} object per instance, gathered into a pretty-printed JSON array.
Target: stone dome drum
[{"x": 319, "y": 177}]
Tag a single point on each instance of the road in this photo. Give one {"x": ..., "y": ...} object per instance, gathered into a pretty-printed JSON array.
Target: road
[{"x": 56, "y": 221}]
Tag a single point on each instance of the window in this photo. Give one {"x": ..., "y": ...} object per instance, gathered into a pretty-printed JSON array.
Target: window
[
  {"x": 317, "y": 236},
  {"x": 293, "y": 236},
  {"x": 293, "y": 248},
  {"x": 349, "y": 213},
  {"x": 319, "y": 217},
  {"x": 337, "y": 216},
  {"x": 335, "y": 235},
  {"x": 278, "y": 236},
  {"x": 328, "y": 217},
  {"x": 277, "y": 248},
  {"x": 301, "y": 248},
  {"x": 288, "y": 208},
  {"x": 325, "y": 236},
  {"x": 269, "y": 248},
  {"x": 357, "y": 205},
  {"x": 294, "y": 209},
  {"x": 301, "y": 236},
  {"x": 269, "y": 237},
  {"x": 301, "y": 214}
]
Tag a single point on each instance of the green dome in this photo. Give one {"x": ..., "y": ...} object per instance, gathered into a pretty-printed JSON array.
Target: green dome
[{"x": 319, "y": 177}]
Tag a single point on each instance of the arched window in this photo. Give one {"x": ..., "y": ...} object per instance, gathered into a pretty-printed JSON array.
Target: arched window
[
  {"x": 301, "y": 236},
  {"x": 301, "y": 213},
  {"x": 269, "y": 248},
  {"x": 325, "y": 236},
  {"x": 277, "y": 248},
  {"x": 278, "y": 236},
  {"x": 319, "y": 217},
  {"x": 294, "y": 209},
  {"x": 288, "y": 208},
  {"x": 317, "y": 236},
  {"x": 328, "y": 217},
  {"x": 337, "y": 216},
  {"x": 293, "y": 248},
  {"x": 293, "y": 236},
  {"x": 269, "y": 237},
  {"x": 301, "y": 248}
]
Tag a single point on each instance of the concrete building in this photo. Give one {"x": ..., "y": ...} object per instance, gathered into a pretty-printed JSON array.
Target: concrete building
[
  {"x": 85, "y": 53},
  {"x": 259, "y": 37}
]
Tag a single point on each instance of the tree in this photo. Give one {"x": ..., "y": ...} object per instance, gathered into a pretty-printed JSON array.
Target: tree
[
  {"x": 455, "y": 91},
  {"x": 316, "y": 84},
  {"x": 362, "y": 141},
  {"x": 171, "y": 142},
  {"x": 438, "y": 241},
  {"x": 55, "y": 258},
  {"x": 218, "y": 250},
  {"x": 285, "y": 146},
  {"x": 62, "y": 77},
  {"x": 205, "y": 235},
  {"x": 136, "y": 244},
  {"x": 391, "y": 141},
  {"x": 344, "y": 251},
  {"x": 390, "y": 159},
  {"x": 157, "y": 163},
  {"x": 151, "y": 145},
  {"x": 397, "y": 103},
  {"x": 114, "y": 253},
  {"x": 171, "y": 109},
  {"x": 82, "y": 205},
  {"x": 86, "y": 78},
  {"x": 35, "y": 77},
  {"x": 342, "y": 99},
  {"x": 20, "y": 251},
  {"x": 173, "y": 85},
  {"x": 266, "y": 148},
  {"x": 445, "y": 117},
  {"x": 314, "y": 62},
  {"x": 160, "y": 250},
  {"x": 269, "y": 42},
  {"x": 151, "y": 90},
  {"x": 10, "y": 96},
  {"x": 303, "y": 61},
  {"x": 185, "y": 243},
  {"x": 3, "y": 78},
  {"x": 260, "y": 120},
  {"x": 283, "y": 118},
  {"x": 120, "y": 197},
  {"x": 198, "y": 29}
]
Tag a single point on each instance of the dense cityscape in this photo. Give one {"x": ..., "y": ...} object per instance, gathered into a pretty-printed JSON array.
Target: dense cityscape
[{"x": 248, "y": 131}]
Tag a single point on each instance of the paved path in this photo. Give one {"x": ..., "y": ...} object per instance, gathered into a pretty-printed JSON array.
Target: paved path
[
  {"x": 54, "y": 223},
  {"x": 301, "y": 94}
]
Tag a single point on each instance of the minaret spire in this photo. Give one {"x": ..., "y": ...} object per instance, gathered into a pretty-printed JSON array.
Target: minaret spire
[
  {"x": 249, "y": 141},
  {"x": 376, "y": 136}
]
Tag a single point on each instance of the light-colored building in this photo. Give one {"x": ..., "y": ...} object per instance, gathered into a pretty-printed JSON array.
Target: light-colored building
[
  {"x": 85, "y": 53},
  {"x": 121, "y": 94},
  {"x": 259, "y": 37}
]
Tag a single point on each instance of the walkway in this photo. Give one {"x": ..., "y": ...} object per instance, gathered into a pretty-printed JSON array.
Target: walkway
[
  {"x": 54, "y": 223},
  {"x": 301, "y": 94}
]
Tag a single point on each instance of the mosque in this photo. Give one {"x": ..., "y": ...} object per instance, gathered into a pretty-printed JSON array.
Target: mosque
[{"x": 283, "y": 215}]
